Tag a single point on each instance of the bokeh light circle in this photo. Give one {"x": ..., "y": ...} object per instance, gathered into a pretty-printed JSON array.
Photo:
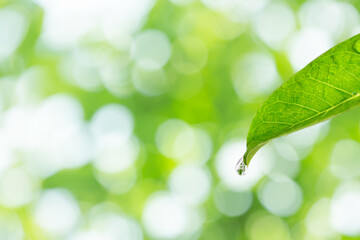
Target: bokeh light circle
[
  {"x": 254, "y": 74},
  {"x": 178, "y": 140},
  {"x": 116, "y": 155},
  {"x": 57, "y": 212},
  {"x": 149, "y": 82},
  {"x": 344, "y": 159},
  {"x": 11, "y": 226},
  {"x": 307, "y": 44},
  {"x": 317, "y": 219},
  {"x": 190, "y": 183},
  {"x": 338, "y": 19},
  {"x": 112, "y": 121},
  {"x": 345, "y": 209},
  {"x": 13, "y": 27},
  {"x": 17, "y": 187},
  {"x": 274, "y": 24},
  {"x": 231, "y": 203},
  {"x": 281, "y": 196},
  {"x": 151, "y": 49},
  {"x": 164, "y": 217}
]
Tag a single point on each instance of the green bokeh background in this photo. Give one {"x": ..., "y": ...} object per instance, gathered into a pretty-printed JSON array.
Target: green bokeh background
[{"x": 205, "y": 87}]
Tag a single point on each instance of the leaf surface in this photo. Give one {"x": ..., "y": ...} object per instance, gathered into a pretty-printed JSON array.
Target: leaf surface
[{"x": 327, "y": 86}]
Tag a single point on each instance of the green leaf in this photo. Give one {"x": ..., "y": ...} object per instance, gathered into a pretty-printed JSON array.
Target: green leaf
[{"x": 327, "y": 86}]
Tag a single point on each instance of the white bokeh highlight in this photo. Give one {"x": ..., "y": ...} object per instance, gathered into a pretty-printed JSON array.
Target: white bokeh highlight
[
  {"x": 151, "y": 49},
  {"x": 274, "y": 24},
  {"x": 57, "y": 212},
  {"x": 13, "y": 27},
  {"x": 232, "y": 203},
  {"x": 166, "y": 218},
  {"x": 112, "y": 121},
  {"x": 178, "y": 140},
  {"x": 345, "y": 209},
  {"x": 307, "y": 44},
  {"x": 109, "y": 225},
  {"x": 344, "y": 162},
  {"x": 17, "y": 188},
  {"x": 149, "y": 82},
  {"x": 237, "y": 10},
  {"x": 117, "y": 156},
  {"x": 338, "y": 19},
  {"x": 317, "y": 220},
  {"x": 190, "y": 183},
  {"x": 11, "y": 226},
  {"x": 281, "y": 196},
  {"x": 254, "y": 74},
  {"x": 116, "y": 20},
  {"x": 40, "y": 131}
]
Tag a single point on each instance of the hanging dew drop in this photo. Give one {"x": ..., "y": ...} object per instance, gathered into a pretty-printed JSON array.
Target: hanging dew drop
[{"x": 241, "y": 167}]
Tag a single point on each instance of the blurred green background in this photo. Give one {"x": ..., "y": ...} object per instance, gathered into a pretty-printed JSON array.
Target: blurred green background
[{"x": 125, "y": 119}]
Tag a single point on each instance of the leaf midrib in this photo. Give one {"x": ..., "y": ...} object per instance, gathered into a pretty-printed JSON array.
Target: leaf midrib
[{"x": 322, "y": 112}]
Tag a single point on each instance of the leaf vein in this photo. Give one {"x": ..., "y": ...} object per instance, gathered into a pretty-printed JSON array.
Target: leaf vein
[
  {"x": 327, "y": 110},
  {"x": 332, "y": 86},
  {"x": 299, "y": 105}
]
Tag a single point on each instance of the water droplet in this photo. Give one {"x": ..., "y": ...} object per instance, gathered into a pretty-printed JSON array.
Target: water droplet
[
  {"x": 357, "y": 46},
  {"x": 241, "y": 167}
]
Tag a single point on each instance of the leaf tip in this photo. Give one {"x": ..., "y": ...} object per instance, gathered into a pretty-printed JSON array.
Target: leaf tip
[{"x": 357, "y": 46}]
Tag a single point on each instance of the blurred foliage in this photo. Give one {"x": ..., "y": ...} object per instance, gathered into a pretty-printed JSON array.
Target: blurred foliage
[{"x": 186, "y": 78}]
